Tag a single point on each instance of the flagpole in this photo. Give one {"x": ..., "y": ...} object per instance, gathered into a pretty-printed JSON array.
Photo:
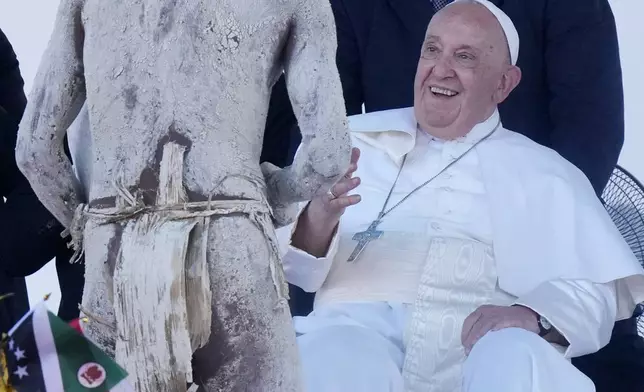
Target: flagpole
[{"x": 29, "y": 313}]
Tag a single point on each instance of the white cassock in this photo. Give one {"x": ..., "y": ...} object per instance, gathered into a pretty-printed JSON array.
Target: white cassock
[{"x": 511, "y": 222}]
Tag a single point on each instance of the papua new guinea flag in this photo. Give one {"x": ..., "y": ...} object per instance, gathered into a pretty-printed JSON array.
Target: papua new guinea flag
[{"x": 44, "y": 354}]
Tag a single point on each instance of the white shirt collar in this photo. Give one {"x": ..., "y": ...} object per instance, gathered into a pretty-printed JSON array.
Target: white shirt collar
[{"x": 395, "y": 130}]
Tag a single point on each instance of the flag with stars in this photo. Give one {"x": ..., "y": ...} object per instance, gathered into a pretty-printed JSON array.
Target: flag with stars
[{"x": 42, "y": 353}]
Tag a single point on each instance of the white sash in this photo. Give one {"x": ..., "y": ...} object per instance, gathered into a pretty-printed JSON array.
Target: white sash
[{"x": 458, "y": 277}]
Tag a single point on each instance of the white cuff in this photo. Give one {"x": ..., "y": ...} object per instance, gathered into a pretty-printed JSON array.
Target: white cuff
[
  {"x": 583, "y": 312},
  {"x": 301, "y": 268}
]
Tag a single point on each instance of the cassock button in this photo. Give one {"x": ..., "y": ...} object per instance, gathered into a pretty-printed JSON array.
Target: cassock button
[
  {"x": 436, "y": 226},
  {"x": 447, "y": 189}
]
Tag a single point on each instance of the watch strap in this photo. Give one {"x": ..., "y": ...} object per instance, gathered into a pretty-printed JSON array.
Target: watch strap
[{"x": 544, "y": 325}]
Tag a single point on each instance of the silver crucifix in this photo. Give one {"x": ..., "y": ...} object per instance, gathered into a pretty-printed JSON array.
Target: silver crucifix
[{"x": 363, "y": 238}]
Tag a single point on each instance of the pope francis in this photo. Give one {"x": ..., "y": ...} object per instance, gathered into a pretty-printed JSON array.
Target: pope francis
[{"x": 459, "y": 255}]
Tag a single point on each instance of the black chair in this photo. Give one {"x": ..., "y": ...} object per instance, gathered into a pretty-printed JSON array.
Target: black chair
[{"x": 623, "y": 198}]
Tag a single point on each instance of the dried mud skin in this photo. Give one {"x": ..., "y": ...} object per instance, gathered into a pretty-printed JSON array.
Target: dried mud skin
[{"x": 197, "y": 72}]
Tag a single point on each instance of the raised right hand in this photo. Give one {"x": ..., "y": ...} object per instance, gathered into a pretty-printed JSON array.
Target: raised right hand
[
  {"x": 317, "y": 223},
  {"x": 327, "y": 209}
]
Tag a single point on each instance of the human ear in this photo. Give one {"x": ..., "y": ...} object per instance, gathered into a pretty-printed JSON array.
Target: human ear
[{"x": 510, "y": 79}]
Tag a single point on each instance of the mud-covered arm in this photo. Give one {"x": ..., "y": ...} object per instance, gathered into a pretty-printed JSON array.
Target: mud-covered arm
[
  {"x": 316, "y": 96},
  {"x": 55, "y": 100}
]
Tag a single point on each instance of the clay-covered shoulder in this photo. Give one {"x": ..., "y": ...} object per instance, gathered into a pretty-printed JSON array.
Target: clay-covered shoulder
[
  {"x": 71, "y": 12},
  {"x": 75, "y": 5},
  {"x": 315, "y": 12}
]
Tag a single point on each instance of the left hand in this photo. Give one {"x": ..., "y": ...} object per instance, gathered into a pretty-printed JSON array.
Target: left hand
[{"x": 493, "y": 318}]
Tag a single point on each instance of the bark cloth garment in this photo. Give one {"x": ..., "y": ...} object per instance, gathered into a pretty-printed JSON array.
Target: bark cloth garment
[{"x": 164, "y": 247}]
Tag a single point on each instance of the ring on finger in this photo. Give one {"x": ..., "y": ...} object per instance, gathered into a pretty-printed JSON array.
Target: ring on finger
[{"x": 331, "y": 194}]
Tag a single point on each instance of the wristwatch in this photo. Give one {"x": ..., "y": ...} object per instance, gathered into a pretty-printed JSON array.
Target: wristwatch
[{"x": 544, "y": 325}]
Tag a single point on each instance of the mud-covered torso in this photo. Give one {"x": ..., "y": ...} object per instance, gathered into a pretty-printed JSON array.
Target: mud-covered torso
[{"x": 194, "y": 71}]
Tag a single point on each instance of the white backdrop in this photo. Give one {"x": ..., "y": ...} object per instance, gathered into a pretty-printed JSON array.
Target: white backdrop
[{"x": 28, "y": 24}]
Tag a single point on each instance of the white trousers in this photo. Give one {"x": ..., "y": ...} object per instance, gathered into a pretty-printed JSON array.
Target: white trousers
[{"x": 359, "y": 348}]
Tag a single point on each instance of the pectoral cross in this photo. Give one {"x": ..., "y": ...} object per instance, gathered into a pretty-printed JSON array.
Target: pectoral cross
[{"x": 364, "y": 238}]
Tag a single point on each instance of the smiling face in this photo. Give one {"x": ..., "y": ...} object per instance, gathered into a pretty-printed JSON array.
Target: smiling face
[{"x": 464, "y": 71}]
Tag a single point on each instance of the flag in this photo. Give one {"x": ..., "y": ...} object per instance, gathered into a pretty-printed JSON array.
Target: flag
[
  {"x": 42, "y": 353},
  {"x": 76, "y": 324}
]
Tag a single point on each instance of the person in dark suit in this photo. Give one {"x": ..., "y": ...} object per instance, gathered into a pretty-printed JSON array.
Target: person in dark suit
[
  {"x": 29, "y": 234},
  {"x": 570, "y": 99},
  {"x": 12, "y": 105}
]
